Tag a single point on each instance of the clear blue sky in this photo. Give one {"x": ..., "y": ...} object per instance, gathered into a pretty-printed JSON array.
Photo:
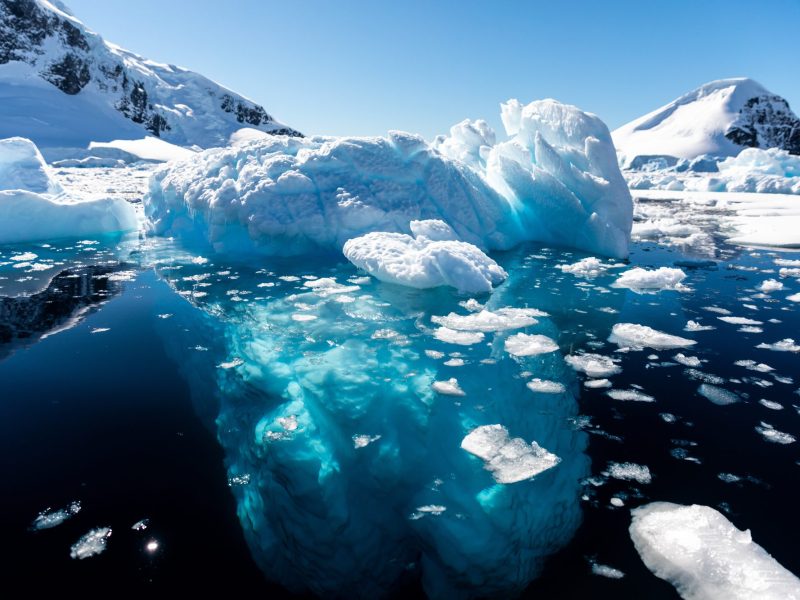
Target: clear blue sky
[{"x": 361, "y": 67}]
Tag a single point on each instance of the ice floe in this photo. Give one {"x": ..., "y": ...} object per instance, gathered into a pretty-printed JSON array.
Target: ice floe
[
  {"x": 91, "y": 544},
  {"x": 522, "y": 344},
  {"x": 650, "y": 281},
  {"x": 627, "y": 335}
]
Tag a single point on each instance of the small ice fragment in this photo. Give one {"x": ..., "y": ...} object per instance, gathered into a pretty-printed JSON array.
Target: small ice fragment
[
  {"x": 454, "y": 362},
  {"x": 769, "y": 433},
  {"x": 606, "y": 571},
  {"x": 630, "y": 472},
  {"x": 740, "y": 321},
  {"x": 141, "y": 525},
  {"x": 695, "y": 326},
  {"x": 616, "y": 501},
  {"x": 544, "y": 386},
  {"x": 151, "y": 546},
  {"x": 48, "y": 519},
  {"x": 452, "y": 336},
  {"x": 91, "y": 544},
  {"x": 770, "y": 285},
  {"x": 303, "y": 317},
  {"x": 100, "y": 330},
  {"x": 434, "y": 354},
  {"x": 597, "y": 383},
  {"x": 689, "y": 361},
  {"x": 510, "y": 460},
  {"x": 643, "y": 281},
  {"x": 770, "y": 404},
  {"x": 634, "y": 335},
  {"x": 594, "y": 365},
  {"x": 522, "y": 344},
  {"x": 794, "y": 297},
  {"x": 754, "y": 366},
  {"x": 586, "y": 267},
  {"x": 448, "y": 388},
  {"x": 785, "y": 345},
  {"x": 499, "y": 320},
  {"x": 668, "y": 417},
  {"x": 717, "y": 395},
  {"x": 231, "y": 363},
  {"x": 630, "y": 396},
  {"x": 363, "y": 440}
]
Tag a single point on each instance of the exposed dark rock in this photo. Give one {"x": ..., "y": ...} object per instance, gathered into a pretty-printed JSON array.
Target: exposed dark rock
[{"x": 766, "y": 122}]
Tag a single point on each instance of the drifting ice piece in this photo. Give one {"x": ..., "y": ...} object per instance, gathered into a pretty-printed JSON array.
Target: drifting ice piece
[
  {"x": 423, "y": 262},
  {"x": 706, "y": 557},
  {"x": 509, "y": 460},
  {"x": 634, "y": 335}
]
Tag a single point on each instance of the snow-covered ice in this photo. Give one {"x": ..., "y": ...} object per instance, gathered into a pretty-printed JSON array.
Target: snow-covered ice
[
  {"x": 705, "y": 556},
  {"x": 641, "y": 336},
  {"x": 631, "y": 395},
  {"x": 650, "y": 281},
  {"x": 555, "y": 180},
  {"x": 422, "y": 262},
  {"x": 629, "y": 472},
  {"x": 500, "y": 319},
  {"x": 594, "y": 365},
  {"x": 91, "y": 544},
  {"x": 544, "y": 386},
  {"x": 769, "y": 433},
  {"x": 448, "y": 388},
  {"x": 23, "y": 168},
  {"x": 522, "y": 344}
]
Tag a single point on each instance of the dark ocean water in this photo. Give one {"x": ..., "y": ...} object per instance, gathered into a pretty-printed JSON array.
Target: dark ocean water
[{"x": 124, "y": 367}]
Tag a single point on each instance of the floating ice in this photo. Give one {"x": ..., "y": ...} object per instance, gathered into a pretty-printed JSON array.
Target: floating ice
[
  {"x": 794, "y": 297},
  {"x": 752, "y": 365},
  {"x": 91, "y": 544},
  {"x": 606, "y": 571},
  {"x": 769, "y": 433},
  {"x": 453, "y": 336},
  {"x": 590, "y": 266},
  {"x": 695, "y": 326},
  {"x": 544, "y": 386},
  {"x": 717, "y": 395},
  {"x": 448, "y": 388},
  {"x": 644, "y": 281},
  {"x": 770, "y": 404},
  {"x": 556, "y": 180},
  {"x": 485, "y": 320},
  {"x": 594, "y": 365},
  {"x": 785, "y": 345},
  {"x": 630, "y": 472},
  {"x": 424, "y": 263},
  {"x": 522, "y": 344},
  {"x": 769, "y": 285},
  {"x": 642, "y": 336},
  {"x": 597, "y": 383},
  {"x": 52, "y": 518},
  {"x": 630, "y": 395},
  {"x": 740, "y": 321},
  {"x": 510, "y": 460},
  {"x": 688, "y": 361},
  {"x": 705, "y": 556}
]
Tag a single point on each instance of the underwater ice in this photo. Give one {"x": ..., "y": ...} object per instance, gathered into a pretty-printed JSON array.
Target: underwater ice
[
  {"x": 555, "y": 180},
  {"x": 705, "y": 556},
  {"x": 33, "y": 206},
  {"x": 91, "y": 544},
  {"x": 53, "y": 518}
]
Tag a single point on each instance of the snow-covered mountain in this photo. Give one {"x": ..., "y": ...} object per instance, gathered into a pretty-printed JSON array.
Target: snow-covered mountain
[
  {"x": 62, "y": 85},
  {"x": 719, "y": 118}
]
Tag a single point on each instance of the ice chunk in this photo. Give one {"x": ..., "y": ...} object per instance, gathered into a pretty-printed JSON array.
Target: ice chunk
[
  {"x": 770, "y": 404},
  {"x": 485, "y": 320},
  {"x": 642, "y": 336},
  {"x": 770, "y": 285},
  {"x": 23, "y": 168},
  {"x": 422, "y": 263},
  {"x": 453, "y": 336},
  {"x": 688, "y": 361},
  {"x": 590, "y": 266},
  {"x": 522, "y": 344},
  {"x": 705, "y": 556},
  {"x": 752, "y": 365},
  {"x": 594, "y": 365},
  {"x": 52, "y": 518},
  {"x": 597, "y": 383},
  {"x": 769, "y": 433},
  {"x": 740, "y": 321},
  {"x": 630, "y": 395},
  {"x": 606, "y": 571},
  {"x": 544, "y": 386},
  {"x": 91, "y": 544},
  {"x": 785, "y": 345},
  {"x": 629, "y": 472},
  {"x": 644, "y": 281},
  {"x": 695, "y": 326},
  {"x": 556, "y": 180},
  {"x": 510, "y": 460},
  {"x": 448, "y": 388},
  {"x": 717, "y": 395}
]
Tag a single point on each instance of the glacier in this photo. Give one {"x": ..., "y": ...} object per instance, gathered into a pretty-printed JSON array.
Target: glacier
[
  {"x": 33, "y": 205},
  {"x": 555, "y": 180}
]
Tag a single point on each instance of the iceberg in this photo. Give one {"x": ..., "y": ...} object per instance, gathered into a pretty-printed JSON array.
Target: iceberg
[
  {"x": 33, "y": 206},
  {"x": 554, "y": 180},
  {"x": 705, "y": 556}
]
